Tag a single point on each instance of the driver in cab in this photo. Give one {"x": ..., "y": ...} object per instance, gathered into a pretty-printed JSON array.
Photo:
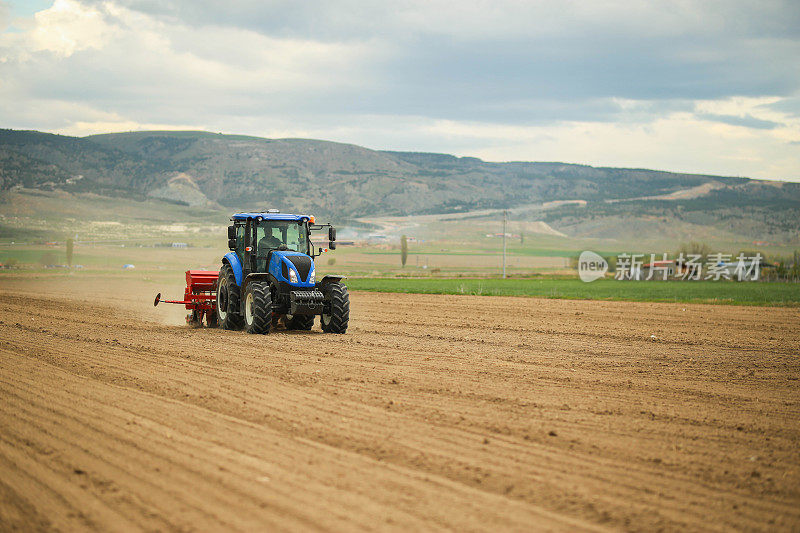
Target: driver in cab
[{"x": 269, "y": 242}]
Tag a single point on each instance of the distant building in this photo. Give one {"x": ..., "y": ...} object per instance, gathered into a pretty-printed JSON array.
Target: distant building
[{"x": 179, "y": 245}]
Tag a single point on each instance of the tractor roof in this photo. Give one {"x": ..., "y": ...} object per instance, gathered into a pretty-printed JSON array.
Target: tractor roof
[{"x": 270, "y": 216}]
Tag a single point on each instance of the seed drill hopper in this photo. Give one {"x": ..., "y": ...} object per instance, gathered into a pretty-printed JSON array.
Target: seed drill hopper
[{"x": 199, "y": 296}]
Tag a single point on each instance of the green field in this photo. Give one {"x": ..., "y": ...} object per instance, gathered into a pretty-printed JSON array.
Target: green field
[
  {"x": 722, "y": 292},
  {"x": 453, "y": 258}
]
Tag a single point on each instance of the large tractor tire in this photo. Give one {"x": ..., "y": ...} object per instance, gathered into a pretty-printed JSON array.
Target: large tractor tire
[
  {"x": 257, "y": 308},
  {"x": 300, "y": 322},
  {"x": 336, "y": 312},
  {"x": 229, "y": 315}
]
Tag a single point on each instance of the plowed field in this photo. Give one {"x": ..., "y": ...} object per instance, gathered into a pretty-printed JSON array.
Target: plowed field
[{"x": 432, "y": 412}]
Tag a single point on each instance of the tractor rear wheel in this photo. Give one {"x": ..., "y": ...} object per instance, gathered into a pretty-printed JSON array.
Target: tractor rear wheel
[
  {"x": 301, "y": 322},
  {"x": 257, "y": 308},
  {"x": 229, "y": 314},
  {"x": 336, "y": 310}
]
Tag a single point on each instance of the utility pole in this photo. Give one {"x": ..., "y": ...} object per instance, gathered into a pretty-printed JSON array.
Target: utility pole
[{"x": 505, "y": 217}]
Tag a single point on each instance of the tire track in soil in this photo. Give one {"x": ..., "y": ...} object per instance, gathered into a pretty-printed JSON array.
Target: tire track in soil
[
  {"x": 422, "y": 412},
  {"x": 158, "y": 449}
]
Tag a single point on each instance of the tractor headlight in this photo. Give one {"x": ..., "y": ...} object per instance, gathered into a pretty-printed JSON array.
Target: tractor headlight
[
  {"x": 292, "y": 276},
  {"x": 312, "y": 278}
]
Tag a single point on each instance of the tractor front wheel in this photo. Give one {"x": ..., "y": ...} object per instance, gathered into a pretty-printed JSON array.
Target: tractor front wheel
[
  {"x": 336, "y": 310},
  {"x": 257, "y": 308},
  {"x": 229, "y": 315}
]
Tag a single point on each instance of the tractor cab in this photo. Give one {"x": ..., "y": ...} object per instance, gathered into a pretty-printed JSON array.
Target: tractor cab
[
  {"x": 272, "y": 256},
  {"x": 261, "y": 239}
]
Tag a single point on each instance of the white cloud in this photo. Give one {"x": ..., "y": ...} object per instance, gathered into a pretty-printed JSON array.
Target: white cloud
[
  {"x": 620, "y": 83},
  {"x": 68, "y": 27},
  {"x": 81, "y": 129},
  {"x": 678, "y": 142},
  {"x": 4, "y": 15}
]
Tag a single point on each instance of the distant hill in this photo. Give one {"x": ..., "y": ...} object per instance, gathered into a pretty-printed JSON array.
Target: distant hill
[{"x": 348, "y": 181}]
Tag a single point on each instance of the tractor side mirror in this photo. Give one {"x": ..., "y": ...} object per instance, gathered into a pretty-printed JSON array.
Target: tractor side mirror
[
  {"x": 231, "y": 232},
  {"x": 332, "y": 238},
  {"x": 231, "y": 244}
]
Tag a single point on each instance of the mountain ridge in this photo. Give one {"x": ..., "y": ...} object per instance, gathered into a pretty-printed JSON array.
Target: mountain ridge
[{"x": 346, "y": 181}]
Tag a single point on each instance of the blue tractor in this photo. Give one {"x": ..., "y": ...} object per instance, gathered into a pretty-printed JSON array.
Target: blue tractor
[{"x": 269, "y": 277}]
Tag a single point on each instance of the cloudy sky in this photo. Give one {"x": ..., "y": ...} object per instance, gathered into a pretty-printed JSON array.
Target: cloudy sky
[{"x": 693, "y": 86}]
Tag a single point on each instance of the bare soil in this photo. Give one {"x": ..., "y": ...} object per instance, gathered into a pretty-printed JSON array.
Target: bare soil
[{"x": 431, "y": 413}]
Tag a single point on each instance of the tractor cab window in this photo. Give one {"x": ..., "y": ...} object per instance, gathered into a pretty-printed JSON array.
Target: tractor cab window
[
  {"x": 240, "y": 240},
  {"x": 281, "y": 235}
]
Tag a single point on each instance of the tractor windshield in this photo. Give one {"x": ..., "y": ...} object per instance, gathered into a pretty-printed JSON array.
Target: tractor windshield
[{"x": 275, "y": 234}]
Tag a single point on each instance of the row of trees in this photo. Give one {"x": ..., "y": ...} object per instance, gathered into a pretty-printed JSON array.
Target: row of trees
[
  {"x": 785, "y": 270},
  {"x": 773, "y": 268}
]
